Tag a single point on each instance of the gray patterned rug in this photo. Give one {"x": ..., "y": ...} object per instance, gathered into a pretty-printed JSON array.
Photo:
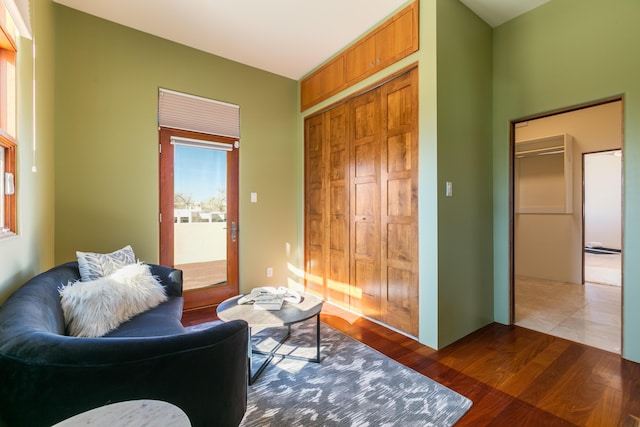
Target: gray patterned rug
[{"x": 353, "y": 385}]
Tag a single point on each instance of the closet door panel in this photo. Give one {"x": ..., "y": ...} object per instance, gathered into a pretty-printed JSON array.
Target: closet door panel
[
  {"x": 365, "y": 249},
  {"x": 399, "y": 152},
  {"x": 337, "y": 122},
  {"x": 337, "y": 163},
  {"x": 365, "y": 297},
  {"x": 315, "y": 206},
  {"x": 399, "y": 243},
  {"x": 365, "y": 203},
  {"x": 365, "y": 237},
  {"x": 365, "y": 117},
  {"x": 399, "y": 199},
  {"x": 401, "y": 298},
  {"x": 365, "y": 161},
  {"x": 365, "y": 192}
]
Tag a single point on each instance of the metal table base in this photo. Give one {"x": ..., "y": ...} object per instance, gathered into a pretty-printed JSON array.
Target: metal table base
[{"x": 273, "y": 353}]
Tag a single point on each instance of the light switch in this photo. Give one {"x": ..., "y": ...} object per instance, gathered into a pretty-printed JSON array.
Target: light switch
[
  {"x": 449, "y": 189},
  {"x": 254, "y": 197}
]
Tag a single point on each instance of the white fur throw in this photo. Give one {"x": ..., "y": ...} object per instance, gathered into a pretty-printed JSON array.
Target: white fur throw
[{"x": 91, "y": 309}]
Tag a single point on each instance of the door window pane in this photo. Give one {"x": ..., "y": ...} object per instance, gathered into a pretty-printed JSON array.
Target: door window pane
[{"x": 200, "y": 215}]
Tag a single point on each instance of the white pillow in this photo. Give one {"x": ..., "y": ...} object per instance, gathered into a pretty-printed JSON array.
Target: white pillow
[
  {"x": 93, "y": 265},
  {"x": 91, "y": 309}
]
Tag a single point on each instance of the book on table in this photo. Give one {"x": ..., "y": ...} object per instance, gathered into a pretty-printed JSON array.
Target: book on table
[{"x": 268, "y": 302}]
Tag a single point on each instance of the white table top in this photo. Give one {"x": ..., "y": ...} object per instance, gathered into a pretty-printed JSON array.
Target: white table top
[
  {"x": 132, "y": 413},
  {"x": 289, "y": 313}
]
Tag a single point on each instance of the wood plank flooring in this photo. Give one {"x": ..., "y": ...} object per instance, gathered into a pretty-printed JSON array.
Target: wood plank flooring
[{"x": 514, "y": 376}]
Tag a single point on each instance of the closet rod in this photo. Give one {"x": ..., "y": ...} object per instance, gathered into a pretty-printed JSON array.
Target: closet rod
[{"x": 540, "y": 151}]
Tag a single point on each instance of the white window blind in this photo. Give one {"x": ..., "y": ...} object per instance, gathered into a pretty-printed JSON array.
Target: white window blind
[{"x": 189, "y": 112}]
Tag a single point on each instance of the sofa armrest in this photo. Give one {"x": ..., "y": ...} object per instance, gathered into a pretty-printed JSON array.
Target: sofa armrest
[{"x": 171, "y": 278}]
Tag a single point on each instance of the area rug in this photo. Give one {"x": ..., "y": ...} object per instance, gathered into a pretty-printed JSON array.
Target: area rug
[{"x": 353, "y": 385}]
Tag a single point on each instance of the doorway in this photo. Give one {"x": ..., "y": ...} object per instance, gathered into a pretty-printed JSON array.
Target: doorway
[
  {"x": 602, "y": 187},
  {"x": 550, "y": 230},
  {"x": 199, "y": 213}
]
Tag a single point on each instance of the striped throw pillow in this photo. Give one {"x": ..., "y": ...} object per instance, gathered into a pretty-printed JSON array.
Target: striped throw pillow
[{"x": 94, "y": 266}]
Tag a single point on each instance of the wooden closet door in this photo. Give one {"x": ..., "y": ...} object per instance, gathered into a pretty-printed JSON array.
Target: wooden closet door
[
  {"x": 365, "y": 204},
  {"x": 399, "y": 200},
  {"x": 361, "y": 204},
  {"x": 315, "y": 218},
  {"x": 337, "y": 130}
]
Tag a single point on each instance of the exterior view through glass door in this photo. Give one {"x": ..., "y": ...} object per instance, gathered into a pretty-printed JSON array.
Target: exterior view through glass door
[{"x": 199, "y": 213}]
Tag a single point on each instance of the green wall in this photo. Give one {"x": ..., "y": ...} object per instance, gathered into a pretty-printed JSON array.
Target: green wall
[
  {"x": 31, "y": 251},
  {"x": 465, "y": 259},
  {"x": 562, "y": 54},
  {"x": 106, "y": 177}
]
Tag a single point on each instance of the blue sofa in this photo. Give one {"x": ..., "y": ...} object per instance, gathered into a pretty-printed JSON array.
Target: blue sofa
[{"x": 47, "y": 376}]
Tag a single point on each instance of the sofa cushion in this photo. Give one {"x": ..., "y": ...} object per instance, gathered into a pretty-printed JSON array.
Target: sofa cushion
[
  {"x": 93, "y": 265},
  {"x": 163, "y": 320},
  {"x": 91, "y": 309}
]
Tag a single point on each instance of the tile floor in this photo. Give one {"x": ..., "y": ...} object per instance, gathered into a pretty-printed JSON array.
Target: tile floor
[{"x": 589, "y": 314}]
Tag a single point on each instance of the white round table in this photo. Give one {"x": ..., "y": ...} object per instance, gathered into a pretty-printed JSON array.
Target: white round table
[
  {"x": 131, "y": 413},
  {"x": 290, "y": 313}
]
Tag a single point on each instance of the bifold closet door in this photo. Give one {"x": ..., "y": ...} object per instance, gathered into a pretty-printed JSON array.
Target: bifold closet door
[
  {"x": 365, "y": 204},
  {"x": 337, "y": 132},
  {"x": 399, "y": 201},
  {"x": 327, "y": 205},
  {"x": 315, "y": 189},
  {"x": 361, "y": 203}
]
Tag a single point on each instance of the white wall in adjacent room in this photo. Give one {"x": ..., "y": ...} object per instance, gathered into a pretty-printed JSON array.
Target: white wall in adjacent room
[{"x": 603, "y": 199}]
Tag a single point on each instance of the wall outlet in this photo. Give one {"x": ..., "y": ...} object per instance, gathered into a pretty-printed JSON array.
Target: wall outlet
[{"x": 269, "y": 272}]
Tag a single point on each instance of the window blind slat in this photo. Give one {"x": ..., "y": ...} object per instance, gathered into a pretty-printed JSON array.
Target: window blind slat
[{"x": 193, "y": 113}]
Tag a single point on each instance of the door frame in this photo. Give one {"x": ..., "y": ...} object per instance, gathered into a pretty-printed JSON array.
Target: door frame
[
  {"x": 512, "y": 160},
  {"x": 208, "y": 296}
]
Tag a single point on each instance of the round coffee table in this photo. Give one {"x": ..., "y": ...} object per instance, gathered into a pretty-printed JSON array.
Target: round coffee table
[
  {"x": 290, "y": 313},
  {"x": 132, "y": 412}
]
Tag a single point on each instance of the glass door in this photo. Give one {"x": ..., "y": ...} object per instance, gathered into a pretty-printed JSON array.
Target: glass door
[{"x": 199, "y": 218}]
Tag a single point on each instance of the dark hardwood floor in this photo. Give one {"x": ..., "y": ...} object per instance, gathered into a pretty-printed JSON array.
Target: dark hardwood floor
[{"x": 514, "y": 376}]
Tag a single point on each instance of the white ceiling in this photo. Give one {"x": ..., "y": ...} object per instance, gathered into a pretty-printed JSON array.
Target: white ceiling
[
  {"x": 285, "y": 37},
  {"x": 496, "y": 12}
]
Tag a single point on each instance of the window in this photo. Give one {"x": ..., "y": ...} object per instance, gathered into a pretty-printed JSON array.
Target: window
[{"x": 8, "y": 123}]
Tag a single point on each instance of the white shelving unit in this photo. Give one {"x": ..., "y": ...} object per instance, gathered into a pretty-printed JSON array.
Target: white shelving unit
[{"x": 543, "y": 175}]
